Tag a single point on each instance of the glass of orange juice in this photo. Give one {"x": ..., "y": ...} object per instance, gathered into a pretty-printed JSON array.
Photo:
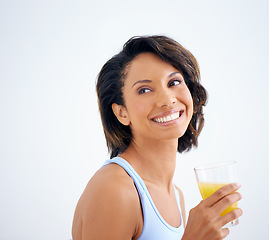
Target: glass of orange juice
[{"x": 211, "y": 177}]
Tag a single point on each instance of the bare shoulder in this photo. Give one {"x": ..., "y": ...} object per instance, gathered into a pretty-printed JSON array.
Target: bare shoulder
[
  {"x": 109, "y": 207},
  {"x": 182, "y": 204},
  {"x": 109, "y": 181}
]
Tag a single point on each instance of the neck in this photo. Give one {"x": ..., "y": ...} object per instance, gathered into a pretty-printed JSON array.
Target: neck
[{"x": 154, "y": 161}]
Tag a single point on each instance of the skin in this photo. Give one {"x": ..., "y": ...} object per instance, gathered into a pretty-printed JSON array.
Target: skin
[{"x": 109, "y": 208}]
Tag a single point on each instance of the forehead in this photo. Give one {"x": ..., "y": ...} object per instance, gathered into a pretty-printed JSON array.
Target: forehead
[{"x": 148, "y": 66}]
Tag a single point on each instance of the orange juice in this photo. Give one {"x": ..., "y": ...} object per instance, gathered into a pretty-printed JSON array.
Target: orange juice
[{"x": 206, "y": 189}]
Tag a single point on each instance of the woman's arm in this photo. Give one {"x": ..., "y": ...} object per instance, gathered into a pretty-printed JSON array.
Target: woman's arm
[
  {"x": 205, "y": 222},
  {"x": 108, "y": 209}
]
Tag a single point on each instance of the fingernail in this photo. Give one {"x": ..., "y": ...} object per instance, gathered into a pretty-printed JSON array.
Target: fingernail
[{"x": 238, "y": 185}]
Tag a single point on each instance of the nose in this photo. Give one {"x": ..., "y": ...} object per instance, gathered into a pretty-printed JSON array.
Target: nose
[{"x": 165, "y": 98}]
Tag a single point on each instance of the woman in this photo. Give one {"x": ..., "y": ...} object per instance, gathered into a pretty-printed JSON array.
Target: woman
[{"x": 151, "y": 104}]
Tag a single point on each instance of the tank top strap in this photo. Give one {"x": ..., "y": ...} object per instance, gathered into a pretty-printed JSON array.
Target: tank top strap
[
  {"x": 139, "y": 183},
  {"x": 178, "y": 202},
  {"x": 154, "y": 226}
]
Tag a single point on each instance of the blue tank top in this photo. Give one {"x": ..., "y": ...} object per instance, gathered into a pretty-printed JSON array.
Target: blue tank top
[{"x": 154, "y": 226}]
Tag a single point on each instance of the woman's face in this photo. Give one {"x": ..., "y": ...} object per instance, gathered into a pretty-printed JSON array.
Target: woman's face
[{"x": 158, "y": 104}]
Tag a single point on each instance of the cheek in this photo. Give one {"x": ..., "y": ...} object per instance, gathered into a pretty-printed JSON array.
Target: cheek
[
  {"x": 190, "y": 103},
  {"x": 187, "y": 99},
  {"x": 138, "y": 109}
]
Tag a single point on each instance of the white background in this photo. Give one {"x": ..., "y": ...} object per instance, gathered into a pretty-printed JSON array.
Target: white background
[{"x": 51, "y": 139}]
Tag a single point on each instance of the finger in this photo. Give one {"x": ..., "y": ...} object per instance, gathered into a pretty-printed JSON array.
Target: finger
[
  {"x": 224, "y": 233},
  {"x": 227, "y": 201},
  {"x": 220, "y": 193},
  {"x": 233, "y": 215}
]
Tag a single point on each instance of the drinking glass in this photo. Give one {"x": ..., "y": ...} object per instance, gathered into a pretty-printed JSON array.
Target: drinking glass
[{"x": 211, "y": 177}]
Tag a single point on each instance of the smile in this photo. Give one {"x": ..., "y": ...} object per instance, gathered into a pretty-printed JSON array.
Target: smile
[{"x": 168, "y": 118}]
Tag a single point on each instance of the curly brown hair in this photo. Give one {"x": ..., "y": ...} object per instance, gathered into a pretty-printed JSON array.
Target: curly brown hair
[{"x": 111, "y": 80}]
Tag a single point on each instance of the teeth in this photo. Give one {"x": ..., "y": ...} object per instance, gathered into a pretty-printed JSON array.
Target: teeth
[{"x": 168, "y": 118}]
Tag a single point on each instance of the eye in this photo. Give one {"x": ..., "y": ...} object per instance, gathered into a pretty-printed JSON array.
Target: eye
[
  {"x": 143, "y": 90},
  {"x": 174, "y": 82}
]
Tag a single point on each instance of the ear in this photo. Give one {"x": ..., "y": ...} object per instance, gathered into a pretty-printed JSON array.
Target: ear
[{"x": 121, "y": 114}]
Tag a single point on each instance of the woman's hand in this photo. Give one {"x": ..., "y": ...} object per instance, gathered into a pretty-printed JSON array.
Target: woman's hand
[{"x": 205, "y": 222}]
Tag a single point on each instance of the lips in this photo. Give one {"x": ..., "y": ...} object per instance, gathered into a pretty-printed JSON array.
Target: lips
[{"x": 168, "y": 118}]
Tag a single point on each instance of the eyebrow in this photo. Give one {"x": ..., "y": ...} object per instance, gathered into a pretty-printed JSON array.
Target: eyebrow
[
  {"x": 142, "y": 81},
  {"x": 149, "y": 81}
]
